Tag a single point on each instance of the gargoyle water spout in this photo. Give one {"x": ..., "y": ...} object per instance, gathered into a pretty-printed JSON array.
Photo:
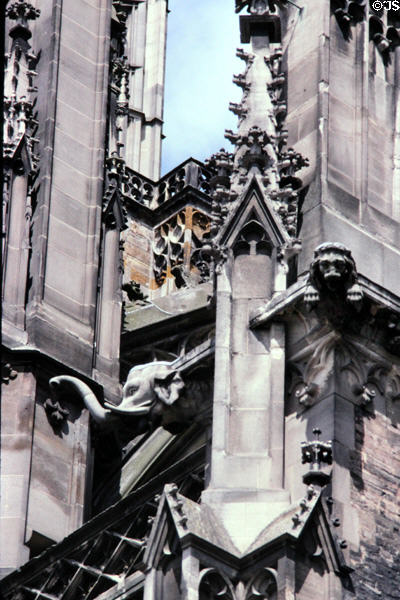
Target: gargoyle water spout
[
  {"x": 149, "y": 388},
  {"x": 333, "y": 273}
]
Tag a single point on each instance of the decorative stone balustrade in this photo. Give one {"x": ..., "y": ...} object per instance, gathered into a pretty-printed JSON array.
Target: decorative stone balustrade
[{"x": 152, "y": 194}]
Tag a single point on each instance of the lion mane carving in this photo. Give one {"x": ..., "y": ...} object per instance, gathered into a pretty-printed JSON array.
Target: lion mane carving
[{"x": 333, "y": 273}]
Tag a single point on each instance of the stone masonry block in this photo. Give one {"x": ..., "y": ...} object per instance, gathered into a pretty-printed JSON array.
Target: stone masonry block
[
  {"x": 252, "y": 277},
  {"x": 11, "y": 538},
  {"x": 73, "y": 152},
  {"x": 82, "y": 36},
  {"x": 85, "y": 12},
  {"x": 341, "y": 181},
  {"x": 76, "y": 65},
  {"x": 73, "y": 122},
  {"x": 240, "y": 325},
  {"x": 71, "y": 212},
  {"x": 248, "y": 430},
  {"x": 250, "y": 380},
  {"x": 67, "y": 239},
  {"x": 75, "y": 94},
  {"x": 65, "y": 275},
  {"x": 302, "y": 83}
]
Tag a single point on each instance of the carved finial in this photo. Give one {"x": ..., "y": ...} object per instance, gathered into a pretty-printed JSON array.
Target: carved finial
[
  {"x": 221, "y": 165},
  {"x": 22, "y": 10},
  {"x": 316, "y": 453}
]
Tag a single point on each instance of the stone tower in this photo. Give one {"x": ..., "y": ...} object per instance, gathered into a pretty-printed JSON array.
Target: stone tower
[{"x": 202, "y": 371}]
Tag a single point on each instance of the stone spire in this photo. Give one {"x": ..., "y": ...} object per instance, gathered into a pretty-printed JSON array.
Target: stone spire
[
  {"x": 260, "y": 141},
  {"x": 18, "y": 81},
  {"x": 254, "y": 192}
]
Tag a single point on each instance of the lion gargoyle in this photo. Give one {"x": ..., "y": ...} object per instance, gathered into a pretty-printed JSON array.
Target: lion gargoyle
[
  {"x": 333, "y": 275},
  {"x": 151, "y": 391}
]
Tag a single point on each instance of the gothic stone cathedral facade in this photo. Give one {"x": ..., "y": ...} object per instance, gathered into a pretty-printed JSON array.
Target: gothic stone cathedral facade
[{"x": 201, "y": 372}]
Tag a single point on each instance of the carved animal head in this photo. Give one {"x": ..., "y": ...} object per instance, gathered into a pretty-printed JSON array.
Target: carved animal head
[
  {"x": 147, "y": 387},
  {"x": 333, "y": 270},
  {"x": 333, "y": 265}
]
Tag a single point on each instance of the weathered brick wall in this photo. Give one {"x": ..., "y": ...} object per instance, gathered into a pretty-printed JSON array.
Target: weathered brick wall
[{"x": 376, "y": 495}]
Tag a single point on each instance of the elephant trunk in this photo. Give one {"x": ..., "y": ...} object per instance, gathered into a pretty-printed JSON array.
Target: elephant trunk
[{"x": 99, "y": 414}]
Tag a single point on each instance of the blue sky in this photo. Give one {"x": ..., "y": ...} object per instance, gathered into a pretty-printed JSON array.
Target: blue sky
[{"x": 202, "y": 38}]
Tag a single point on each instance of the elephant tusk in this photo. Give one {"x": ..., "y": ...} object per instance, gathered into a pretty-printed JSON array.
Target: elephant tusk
[{"x": 140, "y": 409}]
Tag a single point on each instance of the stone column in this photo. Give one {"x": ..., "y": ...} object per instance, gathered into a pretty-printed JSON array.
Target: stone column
[
  {"x": 190, "y": 575},
  {"x": 248, "y": 422},
  {"x": 109, "y": 315},
  {"x": 16, "y": 266}
]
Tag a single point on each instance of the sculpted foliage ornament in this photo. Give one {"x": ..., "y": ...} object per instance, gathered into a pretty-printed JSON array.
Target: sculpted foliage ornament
[
  {"x": 22, "y": 11},
  {"x": 333, "y": 276},
  {"x": 221, "y": 165},
  {"x": 56, "y": 414},
  {"x": 384, "y": 35},
  {"x": 347, "y": 13}
]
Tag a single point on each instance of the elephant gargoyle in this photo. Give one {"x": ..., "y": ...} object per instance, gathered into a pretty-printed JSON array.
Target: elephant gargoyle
[{"x": 151, "y": 392}]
